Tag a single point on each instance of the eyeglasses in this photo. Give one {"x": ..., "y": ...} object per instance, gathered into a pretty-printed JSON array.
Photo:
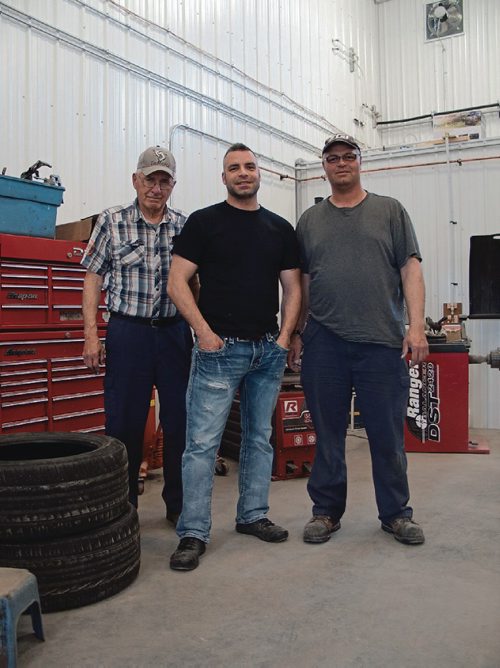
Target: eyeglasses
[
  {"x": 347, "y": 157},
  {"x": 164, "y": 184}
]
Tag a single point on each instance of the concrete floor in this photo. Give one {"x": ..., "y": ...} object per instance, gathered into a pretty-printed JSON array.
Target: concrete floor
[{"x": 362, "y": 600}]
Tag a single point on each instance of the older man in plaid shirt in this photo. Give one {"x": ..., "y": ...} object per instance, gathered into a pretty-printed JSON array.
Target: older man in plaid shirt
[{"x": 148, "y": 343}]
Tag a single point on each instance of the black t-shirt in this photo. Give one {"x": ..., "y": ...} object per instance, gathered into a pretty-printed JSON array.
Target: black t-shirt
[{"x": 240, "y": 255}]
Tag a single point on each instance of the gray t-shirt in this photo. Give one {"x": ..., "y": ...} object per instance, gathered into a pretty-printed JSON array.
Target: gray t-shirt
[{"x": 354, "y": 256}]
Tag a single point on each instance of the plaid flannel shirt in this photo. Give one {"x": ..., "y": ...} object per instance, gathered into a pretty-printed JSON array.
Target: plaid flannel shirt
[{"x": 134, "y": 258}]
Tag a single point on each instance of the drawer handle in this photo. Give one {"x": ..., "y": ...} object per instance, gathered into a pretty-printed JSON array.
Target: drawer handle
[{"x": 76, "y": 251}]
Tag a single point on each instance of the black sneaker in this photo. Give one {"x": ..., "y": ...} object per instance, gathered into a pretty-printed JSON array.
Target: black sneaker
[
  {"x": 265, "y": 530},
  {"x": 187, "y": 555},
  {"x": 405, "y": 530}
]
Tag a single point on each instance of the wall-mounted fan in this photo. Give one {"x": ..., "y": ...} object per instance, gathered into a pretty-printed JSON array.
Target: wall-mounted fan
[{"x": 444, "y": 19}]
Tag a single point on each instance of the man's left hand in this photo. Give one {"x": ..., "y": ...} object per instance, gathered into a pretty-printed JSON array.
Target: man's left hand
[{"x": 416, "y": 341}]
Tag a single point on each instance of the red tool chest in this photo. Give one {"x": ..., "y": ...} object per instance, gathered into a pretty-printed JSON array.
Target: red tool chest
[
  {"x": 41, "y": 283},
  {"x": 44, "y": 385}
]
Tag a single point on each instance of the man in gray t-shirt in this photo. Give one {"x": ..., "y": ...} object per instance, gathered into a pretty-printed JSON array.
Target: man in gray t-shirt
[{"x": 361, "y": 265}]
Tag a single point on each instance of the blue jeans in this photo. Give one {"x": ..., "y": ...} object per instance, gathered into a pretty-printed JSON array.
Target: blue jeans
[
  {"x": 331, "y": 368},
  {"x": 256, "y": 369}
]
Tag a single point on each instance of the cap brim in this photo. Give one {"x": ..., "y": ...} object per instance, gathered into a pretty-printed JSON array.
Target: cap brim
[
  {"x": 340, "y": 141},
  {"x": 157, "y": 168}
]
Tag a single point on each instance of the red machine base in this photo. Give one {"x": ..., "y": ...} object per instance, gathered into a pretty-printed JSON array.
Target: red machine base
[
  {"x": 477, "y": 448},
  {"x": 437, "y": 414}
]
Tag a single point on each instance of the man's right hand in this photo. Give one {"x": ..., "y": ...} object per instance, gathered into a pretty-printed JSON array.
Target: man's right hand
[
  {"x": 209, "y": 341},
  {"x": 94, "y": 353}
]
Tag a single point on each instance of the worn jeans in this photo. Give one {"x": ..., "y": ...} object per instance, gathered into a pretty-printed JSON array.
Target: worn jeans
[
  {"x": 256, "y": 369},
  {"x": 331, "y": 368}
]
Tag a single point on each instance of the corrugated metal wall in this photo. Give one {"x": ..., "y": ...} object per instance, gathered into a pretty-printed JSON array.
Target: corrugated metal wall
[{"x": 87, "y": 84}]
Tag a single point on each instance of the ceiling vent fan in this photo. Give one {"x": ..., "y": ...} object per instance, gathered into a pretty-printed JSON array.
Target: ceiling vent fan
[{"x": 444, "y": 19}]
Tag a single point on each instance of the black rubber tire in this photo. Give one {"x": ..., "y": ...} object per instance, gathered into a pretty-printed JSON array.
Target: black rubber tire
[
  {"x": 79, "y": 570},
  {"x": 60, "y": 484}
]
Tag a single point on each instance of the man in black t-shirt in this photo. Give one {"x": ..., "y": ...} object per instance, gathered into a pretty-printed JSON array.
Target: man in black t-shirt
[{"x": 241, "y": 252}]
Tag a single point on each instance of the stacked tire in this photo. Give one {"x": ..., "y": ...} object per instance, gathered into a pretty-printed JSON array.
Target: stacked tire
[{"x": 65, "y": 516}]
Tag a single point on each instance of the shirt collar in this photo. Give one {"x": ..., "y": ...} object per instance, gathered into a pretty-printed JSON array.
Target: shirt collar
[{"x": 138, "y": 216}]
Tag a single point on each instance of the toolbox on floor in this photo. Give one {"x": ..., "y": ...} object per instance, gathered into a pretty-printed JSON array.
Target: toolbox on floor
[
  {"x": 28, "y": 207},
  {"x": 293, "y": 437}
]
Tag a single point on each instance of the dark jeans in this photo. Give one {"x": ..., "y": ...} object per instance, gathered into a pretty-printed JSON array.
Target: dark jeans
[
  {"x": 331, "y": 368},
  {"x": 138, "y": 357}
]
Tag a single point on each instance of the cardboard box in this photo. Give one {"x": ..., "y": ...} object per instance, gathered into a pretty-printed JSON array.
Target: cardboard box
[
  {"x": 27, "y": 207},
  {"x": 79, "y": 230}
]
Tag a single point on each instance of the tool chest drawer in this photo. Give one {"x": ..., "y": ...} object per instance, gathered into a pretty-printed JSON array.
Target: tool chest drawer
[
  {"x": 44, "y": 385},
  {"x": 41, "y": 283}
]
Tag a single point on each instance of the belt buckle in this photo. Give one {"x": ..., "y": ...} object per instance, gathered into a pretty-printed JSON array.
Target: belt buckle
[{"x": 155, "y": 322}]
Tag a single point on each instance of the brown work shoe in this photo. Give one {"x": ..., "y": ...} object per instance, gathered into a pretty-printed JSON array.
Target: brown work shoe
[
  {"x": 320, "y": 528},
  {"x": 405, "y": 530}
]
